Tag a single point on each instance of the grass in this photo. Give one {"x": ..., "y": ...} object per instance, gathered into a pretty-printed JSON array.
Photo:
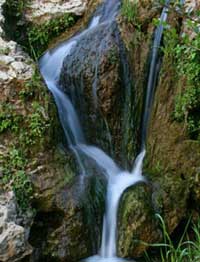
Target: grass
[
  {"x": 130, "y": 11},
  {"x": 185, "y": 250}
]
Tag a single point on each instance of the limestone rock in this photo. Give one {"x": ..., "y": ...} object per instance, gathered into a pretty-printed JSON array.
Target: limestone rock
[
  {"x": 15, "y": 66},
  {"x": 13, "y": 237},
  {"x": 40, "y": 11}
]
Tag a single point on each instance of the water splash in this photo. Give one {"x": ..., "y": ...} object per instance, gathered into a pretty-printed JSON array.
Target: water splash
[{"x": 118, "y": 182}]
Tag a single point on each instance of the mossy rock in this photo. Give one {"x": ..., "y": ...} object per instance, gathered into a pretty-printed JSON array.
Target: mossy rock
[{"x": 137, "y": 222}]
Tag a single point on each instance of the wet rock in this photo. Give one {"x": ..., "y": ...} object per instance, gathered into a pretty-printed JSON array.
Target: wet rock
[
  {"x": 13, "y": 237},
  {"x": 137, "y": 221},
  {"x": 63, "y": 232},
  {"x": 98, "y": 62}
]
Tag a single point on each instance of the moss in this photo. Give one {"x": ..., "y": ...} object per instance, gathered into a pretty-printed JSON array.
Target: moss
[{"x": 135, "y": 211}]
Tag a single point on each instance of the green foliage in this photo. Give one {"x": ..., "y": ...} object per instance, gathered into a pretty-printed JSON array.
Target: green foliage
[
  {"x": 183, "y": 53},
  {"x": 187, "y": 103},
  {"x": 171, "y": 40},
  {"x": 113, "y": 56},
  {"x": 26, "y": 130},
  {"x": 130, "y": 11},
  {"x": 9, "y": 120},
  {"x": 34, "y": 38},
  {"x": 39, "y": 36},
  {"x": 37, "y": 122},
  {"x": 16, "y": 6},
  {"x": 14, "y": 164},
  {"x": 13, "y": 10},
  {"x": 183, "y": 251}
]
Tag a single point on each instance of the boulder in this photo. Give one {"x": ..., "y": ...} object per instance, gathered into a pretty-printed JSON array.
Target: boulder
[
  {"x": 13, "y": 237},
  {"x": 96, "y": 76}
]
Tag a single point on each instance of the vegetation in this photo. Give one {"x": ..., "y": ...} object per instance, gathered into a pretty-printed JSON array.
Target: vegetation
[
  {"x": 130, "y": 11},
  {"x": 187, "y": 103},
  {"x": 183, "y": 53},
  {"x": 182, "y": 251},
  {"x": 14, "y": 176},
  {"x": 14, "y": 25},
  {"x": 34, "y": 38},
  {"x": 39, "y": 36},
  {"x": 25, "y": 131}
]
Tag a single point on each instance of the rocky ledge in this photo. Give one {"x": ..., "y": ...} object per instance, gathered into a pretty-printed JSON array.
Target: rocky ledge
[
  {"x": 43, "y": 10},
  {"x": 13, "y": 237}
]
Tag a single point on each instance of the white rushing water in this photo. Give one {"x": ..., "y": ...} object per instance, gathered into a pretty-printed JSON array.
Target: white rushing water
[
  {"x": 118, "y": 182},
  {"x": 118, "y": 179}
]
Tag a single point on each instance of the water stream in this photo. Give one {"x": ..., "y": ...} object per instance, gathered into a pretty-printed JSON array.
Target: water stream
[{"x": 118, "y": 179}]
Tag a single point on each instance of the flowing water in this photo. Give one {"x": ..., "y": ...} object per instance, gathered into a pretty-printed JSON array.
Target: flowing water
[
  {"x": 118, "y": 179},
  {"x": 153, "y": 72}
]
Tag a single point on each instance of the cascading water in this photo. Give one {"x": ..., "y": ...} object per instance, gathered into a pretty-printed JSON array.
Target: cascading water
[
  {"x": 118, "y": 180},
  {"x": 153, "y": 72}
]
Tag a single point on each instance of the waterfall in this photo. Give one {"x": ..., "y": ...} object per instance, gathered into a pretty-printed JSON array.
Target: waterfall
[
  {"x": 153, "y": 72},
  {"x": 118, "y": 179}
]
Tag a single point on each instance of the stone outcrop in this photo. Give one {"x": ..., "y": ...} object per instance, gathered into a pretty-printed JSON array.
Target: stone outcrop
[
  {"x": 98, "y": 74},
  {"x": 40, "y": 11},
  {"x": 61, "y": 232},
  {"x": 13, "y": 237}
]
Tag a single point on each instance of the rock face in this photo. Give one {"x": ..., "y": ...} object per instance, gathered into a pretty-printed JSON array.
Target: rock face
[
  {"x": 61, "y": 233},
  {"x": 99, "y": 64},
  {"x": 32, "y": 160},
  {"x": 40, "y": 11},
  {"x": 173, "y": 156},
  {"x": 14, "y": 64},
  {"x": 172, "y": 168},
  {"x": 13, "y": 237}
]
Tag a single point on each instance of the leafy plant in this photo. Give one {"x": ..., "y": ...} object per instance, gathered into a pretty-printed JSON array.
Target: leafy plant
[
  {"x": 9, "y": 120},
  {"x": 130, "y": 11},
  {"x": 39, "y": 36},
  {"x": 187, "y": 102},
  {"x": 183, "y": 53},
  {"x": 14, "y": 176}
]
